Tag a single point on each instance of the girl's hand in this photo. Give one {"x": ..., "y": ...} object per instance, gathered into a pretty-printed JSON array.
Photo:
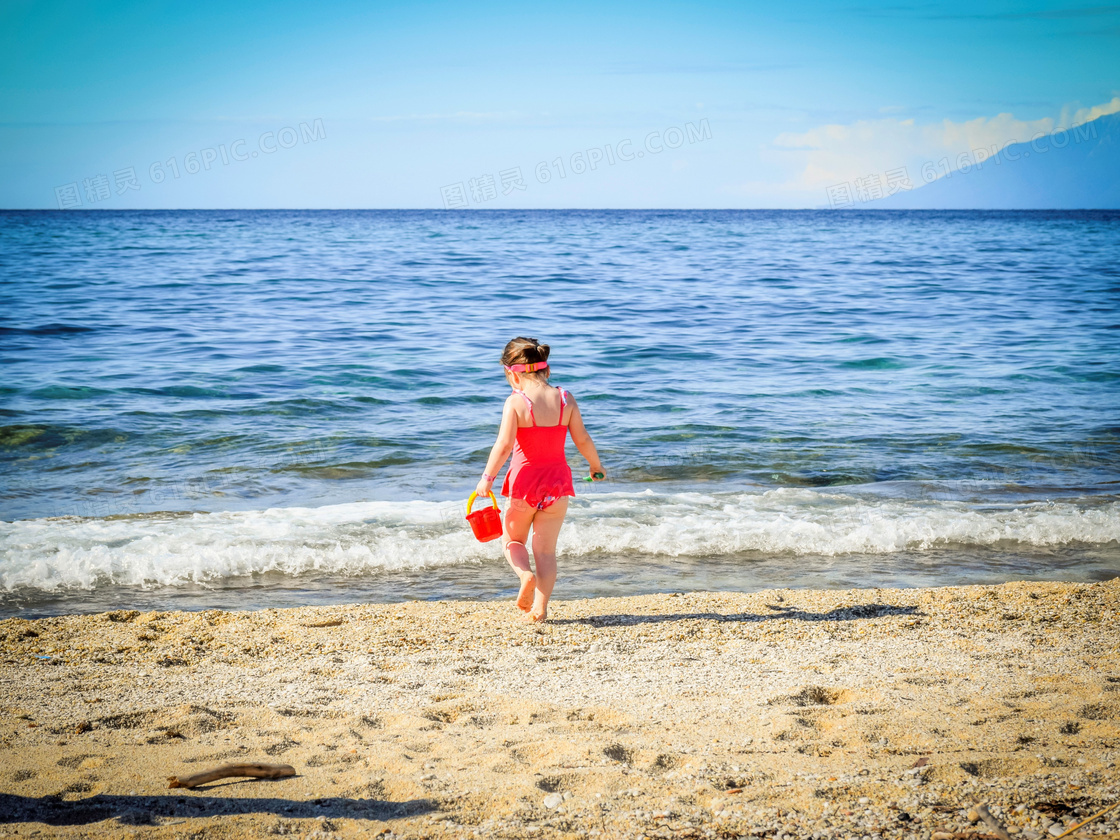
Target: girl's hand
[
  {"x": 598, "y": 473},
  {"x": 483, "y": 488}
]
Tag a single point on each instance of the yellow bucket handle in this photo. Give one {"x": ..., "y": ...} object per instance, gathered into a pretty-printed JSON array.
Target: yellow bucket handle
[{"x": 470, "y": 501}]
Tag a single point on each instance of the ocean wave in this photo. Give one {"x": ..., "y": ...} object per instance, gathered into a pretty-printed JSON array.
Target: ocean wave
[{"x": 363, "y": 538}]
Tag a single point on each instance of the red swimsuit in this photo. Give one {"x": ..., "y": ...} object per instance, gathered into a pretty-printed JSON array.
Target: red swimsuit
[{"x": 540, "y": 473}]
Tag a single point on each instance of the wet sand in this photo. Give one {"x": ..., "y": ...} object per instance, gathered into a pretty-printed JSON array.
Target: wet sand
[{"x": 861, "y": 713}]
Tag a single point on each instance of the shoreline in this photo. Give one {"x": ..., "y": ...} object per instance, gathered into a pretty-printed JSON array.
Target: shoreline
[
  {"x": 830, "y": 713},
  {"x": 494, "y": 583}
]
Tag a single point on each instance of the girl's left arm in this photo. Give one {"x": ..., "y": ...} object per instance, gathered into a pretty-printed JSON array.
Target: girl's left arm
[{"x": 503, "y": 446}]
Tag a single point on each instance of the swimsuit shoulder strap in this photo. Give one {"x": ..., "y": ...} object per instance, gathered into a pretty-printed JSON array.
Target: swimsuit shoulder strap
[
  {"x": 563, "y": 403},
  {"x": 529, "y": 402}
]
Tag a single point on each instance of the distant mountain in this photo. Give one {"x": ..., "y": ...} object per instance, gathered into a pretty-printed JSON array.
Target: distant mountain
[{"x": 1074, "y": 169}]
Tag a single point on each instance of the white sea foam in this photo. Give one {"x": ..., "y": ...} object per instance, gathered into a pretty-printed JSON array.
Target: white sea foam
[{"x": 363, "y": 538}]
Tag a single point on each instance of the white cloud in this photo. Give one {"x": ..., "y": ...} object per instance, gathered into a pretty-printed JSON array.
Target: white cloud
[
  {"x": 1084, "y": 115},
  {"x": 835, "y": 154}
]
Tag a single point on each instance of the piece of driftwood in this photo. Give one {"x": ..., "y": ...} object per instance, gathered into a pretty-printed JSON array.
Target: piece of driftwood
[
  {"x": 995, "y": 825},
  {"x": 257, "y": 771},
  {"x": 1093, "y": 818}
]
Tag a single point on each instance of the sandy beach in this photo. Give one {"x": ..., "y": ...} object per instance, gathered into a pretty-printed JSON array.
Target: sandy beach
[{"x": 791, "y": 713}]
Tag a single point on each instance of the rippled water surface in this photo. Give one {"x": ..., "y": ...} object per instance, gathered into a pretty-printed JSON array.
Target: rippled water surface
[{"x": 246, "y": 408}]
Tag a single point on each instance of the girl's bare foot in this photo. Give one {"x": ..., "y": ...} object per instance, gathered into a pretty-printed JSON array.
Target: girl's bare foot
[
  {"x": 528, "y": 588},
  {"x": 535, "y": 616}
]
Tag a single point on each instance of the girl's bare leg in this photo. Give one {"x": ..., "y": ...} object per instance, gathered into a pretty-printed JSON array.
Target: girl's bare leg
[
  {"x": 546, "y": 530},
  {"x": 518, "y": 518}
]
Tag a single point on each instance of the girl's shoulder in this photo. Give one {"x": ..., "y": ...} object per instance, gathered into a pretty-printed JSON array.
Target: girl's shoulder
[{"x": 519, "y": 404}]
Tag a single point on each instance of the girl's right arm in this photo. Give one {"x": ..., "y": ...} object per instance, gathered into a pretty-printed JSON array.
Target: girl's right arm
[
  {"x": 503, "y": 446},
  {"x": 582, "y": 439}
]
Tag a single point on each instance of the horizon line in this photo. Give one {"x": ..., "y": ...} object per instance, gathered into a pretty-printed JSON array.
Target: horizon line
[{"x": 78, "y": 210}]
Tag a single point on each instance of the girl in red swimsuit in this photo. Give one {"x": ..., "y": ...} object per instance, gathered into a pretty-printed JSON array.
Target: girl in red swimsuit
[{"x": 535, "y": 423}]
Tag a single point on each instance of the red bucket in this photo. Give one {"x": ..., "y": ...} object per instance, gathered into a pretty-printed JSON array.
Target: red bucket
[{"x": 487, "y": 522}]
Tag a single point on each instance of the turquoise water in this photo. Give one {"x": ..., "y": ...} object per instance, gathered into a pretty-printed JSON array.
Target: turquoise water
[{"x": 263, "y": 407}]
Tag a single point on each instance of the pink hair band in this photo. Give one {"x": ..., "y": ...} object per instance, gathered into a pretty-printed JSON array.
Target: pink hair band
[{"x": 535, "y": 366}]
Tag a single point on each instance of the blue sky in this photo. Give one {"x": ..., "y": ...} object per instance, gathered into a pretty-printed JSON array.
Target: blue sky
[{"x": 416, "y": 100}]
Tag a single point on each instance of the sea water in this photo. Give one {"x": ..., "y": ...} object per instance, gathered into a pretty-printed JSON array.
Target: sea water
[{"x": 267, "y": 408}]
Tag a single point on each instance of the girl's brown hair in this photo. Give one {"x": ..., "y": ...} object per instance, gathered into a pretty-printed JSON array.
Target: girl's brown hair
[{"x": 526, "y": 351}]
